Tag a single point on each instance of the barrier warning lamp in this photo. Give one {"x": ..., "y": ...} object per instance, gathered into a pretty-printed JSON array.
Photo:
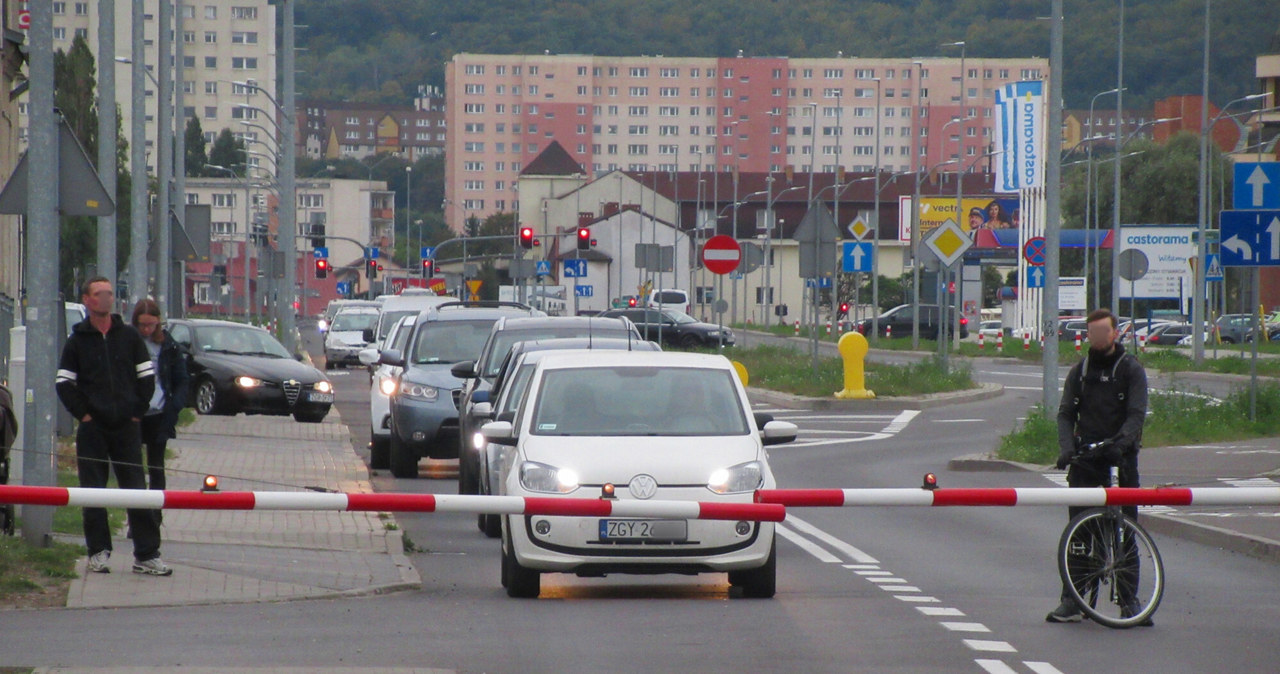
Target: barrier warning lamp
[
  {"x": 526, "y": 238},
  {"x": 631, "y": 301},
  {"x": 584, "y": 238},
  {"x": 428, "y": 268},
  {"x": 322, "y": 268},
  {"x": 371, "y": 267}
]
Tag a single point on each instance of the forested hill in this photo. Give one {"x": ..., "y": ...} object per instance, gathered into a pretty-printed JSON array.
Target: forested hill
[{"x": 381, "y": 50}]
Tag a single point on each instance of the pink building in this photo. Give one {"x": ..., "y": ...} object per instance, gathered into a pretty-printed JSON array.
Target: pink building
[{"x": 711, "y": 114}]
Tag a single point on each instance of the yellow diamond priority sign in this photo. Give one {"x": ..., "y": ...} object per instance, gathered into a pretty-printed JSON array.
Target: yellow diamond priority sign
[
  {"x": 948, "y": 242},
  {"x": 859, "y": 228}
]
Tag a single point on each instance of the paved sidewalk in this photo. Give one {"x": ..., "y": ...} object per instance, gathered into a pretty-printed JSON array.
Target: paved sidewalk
[{"x": 246, "y": 556}]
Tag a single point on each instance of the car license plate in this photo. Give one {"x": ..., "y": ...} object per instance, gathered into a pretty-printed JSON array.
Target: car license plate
[
  {"x": 320, "y": 397},
  {"x": 644, "y": 530}
]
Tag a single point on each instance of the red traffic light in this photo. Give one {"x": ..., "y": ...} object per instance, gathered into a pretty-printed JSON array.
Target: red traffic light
[
  {"x": 584, "y": 239},
  {"x": 631, "y": 301},
  {"x": 322, "y": 268},
  {"x": 428, "y": 268},
  {"x": 526, "y": 237}
]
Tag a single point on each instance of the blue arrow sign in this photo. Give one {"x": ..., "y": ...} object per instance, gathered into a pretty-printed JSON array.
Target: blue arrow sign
[
  {"x": 1213, "y": 269},
  {"x": 575, "y": 268},
  {"x": 543, "y": 268},
  {"x": 1250, "y": 239},
  {"x": 427, "y": 252},
  {"x": 584, "y": 291},
  {"x": 343, "y": 287},
  {"x": 320, "y": 253},
  {"x": 824, "y": 282},
  {"x": 1256, "y": 186},
  {"x": 1035, "y": 277},
  {"x": 371, "y": 252},
  {"x": 858, "y": 257}
]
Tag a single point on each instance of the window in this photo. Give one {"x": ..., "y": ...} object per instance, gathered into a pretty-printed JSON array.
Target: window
[
  {"x": 638, "y": 111},
  {"x": 189, "y": 37},
  {"x": 59, "y": 8},
  {"x": 669, "y": 92},
  {"x": 475, "y": 69},
  {"x": 473, "y": 108},
  {"x": 188, "y": 87},
  {"x": 188, "y": 62},
  {"x": 638, "y": 130},
  {"x": 244, "y": 12},
  {"x": 244, "y": 62},
  {"x": 669, "y": 72},
  {"x": 211, "y": 62},
  {"x": 637, "y": 149},
  {"x": 473, "y": 146},
  {"x": 473, "y": 185},
  {"x": 59, "y": 33},
  {"x": 221, "y": 200},
  {"x": 210, "y": 37},
  {"x": 473, "y": 89},
  {"x": 211, "y": 112},
  {"x": 474, "y": 127},
  {"x": 639, "y": 92},
  {"x": 242, "y": 37},
  {"x": 833, "y": 73},
  {"x": 210, "y": 11},
  {"x": 639, "y": 72},
  {"x": 310, "y": 201},
  {"x": 833, "y": 92}
]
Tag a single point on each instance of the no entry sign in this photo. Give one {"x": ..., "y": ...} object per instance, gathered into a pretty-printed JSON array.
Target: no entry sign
[{"x": 721, "y": 254}]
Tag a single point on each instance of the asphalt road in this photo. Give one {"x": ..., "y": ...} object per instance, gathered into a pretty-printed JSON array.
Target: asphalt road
[{"x": 902, "y": 589}]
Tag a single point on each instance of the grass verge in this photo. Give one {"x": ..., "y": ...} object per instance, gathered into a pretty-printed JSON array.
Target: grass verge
[
  {"x": 36, "y": 577},
  {"x": 1177, "y": 418},
  {"x": 791, "y": 371}
]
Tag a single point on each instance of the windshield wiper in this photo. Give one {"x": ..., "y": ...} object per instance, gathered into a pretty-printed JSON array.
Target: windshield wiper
[{"x": 261, "y": 353}]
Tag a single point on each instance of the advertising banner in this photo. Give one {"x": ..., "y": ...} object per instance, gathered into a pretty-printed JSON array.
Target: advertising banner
[
  {"x": 1168, "y": 250},
  {"x": 1019, "y": 136},
  {"x": 977, "y": 213}
]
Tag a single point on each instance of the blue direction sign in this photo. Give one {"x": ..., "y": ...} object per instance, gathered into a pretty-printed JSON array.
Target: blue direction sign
[
  {"x": 575, "y": 268},
  {"x": 320, "y": 252},
  {"x": 371, "y": 252},
  {"x": 858, "y": 256},
  {"x": 584, "y": 291},
  {"x": 426, "y": 252},
  {"x": 823, "y": 282},
  {"x": 1213, "y": 270},
  {"x": 543, "y": 268},
  {"x": 1035, "y": 277},
  {"x": 343, "y": 288},
  {"x": 1250, "y": 239},
  {"x": 1257, "y": 185}
]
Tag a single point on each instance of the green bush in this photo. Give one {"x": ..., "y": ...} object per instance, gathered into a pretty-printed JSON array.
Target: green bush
[
  {"x": 1035, "y": 441},
  {"x": 790, "y": 370}
]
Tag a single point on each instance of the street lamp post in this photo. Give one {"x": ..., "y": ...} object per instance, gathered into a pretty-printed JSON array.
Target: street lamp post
[
  {"x": 408, "y": 212},
  {"x": 915, "y": 215},
  {"x": 1115, "y": 187},
  {"x": 944, "y": 309},
  {"x": 1089, "y": 192}
]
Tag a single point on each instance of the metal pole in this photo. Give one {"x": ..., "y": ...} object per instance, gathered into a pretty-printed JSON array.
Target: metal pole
[
  {"x": 1119, "y": 134},
  {"x": 954, "y": 311},
  {"x": 107, "y": 134},
  {"x": 1053, "y": 208},
  {"x": 915, "y": 223},
  {"x": 768, "y": 255},
  {"x": 138, "y": 230},
  {"x": 288, "y": 191},
  {"x": 408, "y": 211},
  {"x": 1197, "y": 292},
  {"x": 875, "y": 241},
  {"x": 164, "y": 149},
  {"x": 180, "y": 150}
]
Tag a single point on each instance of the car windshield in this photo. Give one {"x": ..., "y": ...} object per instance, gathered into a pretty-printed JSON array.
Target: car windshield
[
  {"x": 679, "y": 317},
  {"x": 352, "y": 321},
  {"x": 450, "y": 341},
  {"x": 389, "y": 319},
  {"x": 504, "y": 339},
  {"x": 240, "y": 341},
  {"x": 636, "y": 400}
]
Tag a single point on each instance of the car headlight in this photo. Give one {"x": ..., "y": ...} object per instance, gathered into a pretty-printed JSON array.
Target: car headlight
[
  {"x": 244, "y": 381},
  {"x": 419, "y": 391},
  {"x": 323, "y": 325},
  {"x": 478, "y": 441},
  {"x": 387, "y": 386},
  {"x": 324, "y": 387},
  {"x": 539, "y": 477},
  {"x": 744, "y": 477}
]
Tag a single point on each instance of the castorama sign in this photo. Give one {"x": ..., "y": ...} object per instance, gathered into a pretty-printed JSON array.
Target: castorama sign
[{"x": 1020, "y": 147}]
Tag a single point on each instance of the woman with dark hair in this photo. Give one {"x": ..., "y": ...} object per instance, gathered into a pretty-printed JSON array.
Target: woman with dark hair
[
  {"x": 160, "y": 422},
  {"x": 997, "y": 217}
]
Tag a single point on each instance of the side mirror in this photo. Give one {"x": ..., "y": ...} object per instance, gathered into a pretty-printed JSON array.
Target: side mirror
[
  {"x": 499, "y": 433},
  {"x": 367, "y": 335},
  {"x": 465, "y": 369},
  {"x": 778, "y": 432},
  {"x": 482, "y": 410},
  {"x": 368, "y": 357},
  {"x": 481, "y": 397},
  {"x": 391, "y": 357}
]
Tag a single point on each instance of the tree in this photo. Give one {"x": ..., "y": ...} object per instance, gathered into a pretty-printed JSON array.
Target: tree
[
  {"x": 195, "y": 144},
  {"x": 228, "y": 152}
]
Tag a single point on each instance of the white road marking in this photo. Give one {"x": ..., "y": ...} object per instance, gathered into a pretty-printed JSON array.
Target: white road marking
[
  {"x": 1024, "y": 388},
  {"x": 887, "y": 580},
  {"x": 899, "y": 588},
  {"x": 959, "y": 421},
  {"x": 862, "y": 566},
  {"x": 917, "y": 598},
  {"x": 839, "y": 545},
  {"x": 869, "y": 572},
  {"x": 808, "y": 546},
  {"x": 939, "y": 611},
  {"x": 965, "y": 627},
  {"x": 989, "y": 646},
  {"x": 996, "y": 667},
  {"x": 900, "y": 422},
  {"x": 1251, "y": 482},
  {"x": 1041, "y": 667}
]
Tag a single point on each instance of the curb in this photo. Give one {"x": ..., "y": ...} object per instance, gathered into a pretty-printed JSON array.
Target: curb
[
  {"x": 790, "y": 401},
  {"x": 1257, "y": 547}
]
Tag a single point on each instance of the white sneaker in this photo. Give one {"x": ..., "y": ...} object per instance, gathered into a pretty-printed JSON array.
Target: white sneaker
[
  {"x": 98, "y": 562},
  {"x": 152, "y": 567}
]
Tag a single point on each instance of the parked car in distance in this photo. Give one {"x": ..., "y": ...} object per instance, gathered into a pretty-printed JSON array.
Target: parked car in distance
[
  {"x": 670, "y": 298},
  {"x": 676, "y": 327},
  {"x": 1234, "y": 328},
  {"x": 240, "y": 368},
  {"x": 898, "y": 322}
]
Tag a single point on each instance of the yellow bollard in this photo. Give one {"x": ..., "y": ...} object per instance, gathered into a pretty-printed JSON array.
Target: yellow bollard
[{"x": 853, "y": 349}]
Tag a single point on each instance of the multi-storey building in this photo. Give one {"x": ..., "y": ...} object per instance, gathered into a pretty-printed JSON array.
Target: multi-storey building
[
  {"x": 712, "y": 114},
  {"x": 332, "y": 129},
  {"x": 226, "y": 46}
]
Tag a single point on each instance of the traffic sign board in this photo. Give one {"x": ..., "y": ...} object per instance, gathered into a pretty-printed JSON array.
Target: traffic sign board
[
  {"x": 948, "y": 242},
  {"x": 721, "y": 254},
  {"x": 320, "y": 252},
  {"x": 426, "y": 252},
  {"x": 1250, "y": 238},
  {"x": 584, "y": 291},
  {"x": 1257, "y": 185},
  {"x": 859, "y": 228},
  {"x": 343, "y": 287},
  {"x": 1035, "y": 277},
  {"x": 1213, "y": 270},
  {"x": 1033, "y": 250},
  {"x": 858, "y": 256},
  {"x": 543, "y": 268},
  {"x": 821, "y": 282},
  {"x": 371, "y": 252},
  {"x": 575, "y": 268}
]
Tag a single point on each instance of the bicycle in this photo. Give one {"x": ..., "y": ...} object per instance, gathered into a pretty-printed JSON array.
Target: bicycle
[{"x": 1104, "y": 554}]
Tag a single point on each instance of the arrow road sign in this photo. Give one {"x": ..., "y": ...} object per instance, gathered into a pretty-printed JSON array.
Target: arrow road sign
[
  {"x": 426, "y": 252},
  {"x": 320, "y": 252},
  {"x": 857, "y": 257},
  {"x": 584, "y": 291},
  {"x": 575, "y": 268},
  {"x": 1250, "y": 239},
  {"x": 1035, "y": 277},
  {"x": 1257, "y": 185}
]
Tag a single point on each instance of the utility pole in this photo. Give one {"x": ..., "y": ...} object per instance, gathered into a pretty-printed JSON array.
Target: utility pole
[
  {"x": 107, "y": 134},
  {"x": 1053, "y": 208}
]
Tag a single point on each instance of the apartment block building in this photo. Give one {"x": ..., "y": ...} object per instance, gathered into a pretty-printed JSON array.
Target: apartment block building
[
  {"x": 226, "y": 44},
  {"x": 333, "y": 129},
  {"x": 712, "y": 114}
]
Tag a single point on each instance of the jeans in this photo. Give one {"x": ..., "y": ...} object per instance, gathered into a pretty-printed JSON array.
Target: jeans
[{"x": 99, "y": 449}]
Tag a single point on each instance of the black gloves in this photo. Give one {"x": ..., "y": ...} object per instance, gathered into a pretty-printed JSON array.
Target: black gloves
[
  {"x": 1064, "y": 458},
  {"x": 1104, "y": 452}
]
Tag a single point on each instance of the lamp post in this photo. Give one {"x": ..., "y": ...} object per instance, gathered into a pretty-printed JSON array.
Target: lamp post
[
  {"x": 1115, "y": 187},
  {"x": 915, "y": 213},
  {"x": 1089, "y": 191},
  {"x": 408, "y": 213},
  {"x": 768, "y": 244},
  {"x": 943, "y": 309},
  {"x": 944, "y": 276}
]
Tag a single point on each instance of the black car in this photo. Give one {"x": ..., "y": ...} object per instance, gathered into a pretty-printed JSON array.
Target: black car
[
  {"x": 239, "y": 368},
  {"x": 677, "y": 327},
  {"x": 479, "y": 375},
  {"x": 897, "y": 322}
]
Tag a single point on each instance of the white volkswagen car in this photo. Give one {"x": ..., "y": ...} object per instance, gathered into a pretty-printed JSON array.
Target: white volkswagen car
[
  {"x": 383, "y": 382},
  {"x": 646, "y": 425}
]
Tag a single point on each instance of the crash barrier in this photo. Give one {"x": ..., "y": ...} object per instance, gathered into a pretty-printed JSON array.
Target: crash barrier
[
  {"x": 1023, "y": 496},
  {"x": 334, "y": 501}
]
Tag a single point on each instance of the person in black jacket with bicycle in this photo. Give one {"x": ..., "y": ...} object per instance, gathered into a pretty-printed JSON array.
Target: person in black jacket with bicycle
[
  {"x": 1104, "y": 404},
  {"x": 106, "y": 380}
]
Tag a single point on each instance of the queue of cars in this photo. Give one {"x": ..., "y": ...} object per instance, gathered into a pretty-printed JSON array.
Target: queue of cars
[{"x": 541, "y": 406}]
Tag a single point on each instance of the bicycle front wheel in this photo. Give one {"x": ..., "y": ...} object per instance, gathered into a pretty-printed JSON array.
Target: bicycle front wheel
[{"x": 1111, "y": 567}]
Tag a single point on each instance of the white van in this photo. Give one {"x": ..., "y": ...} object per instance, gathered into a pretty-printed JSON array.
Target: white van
[{"x": 670, "y": 298}]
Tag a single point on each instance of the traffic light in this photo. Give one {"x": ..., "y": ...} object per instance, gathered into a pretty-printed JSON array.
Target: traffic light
[
  {"x": 322, "y": 267},
  {"x": 428, "y": 268},
  {"x": 844, "y": 310},
  {"x": 317, "y": 234},
  {"x": 631, "y": 301},
  {"x": 584, "y": 238},
  {"x": 371, "y": 265},
  {"x": 526, "y": 238}
]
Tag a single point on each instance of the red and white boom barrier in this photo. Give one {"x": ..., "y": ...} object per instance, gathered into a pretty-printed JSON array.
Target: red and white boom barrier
[
  {"x": 440, "y": 503},
  {"x": 1031, "y": 496}
]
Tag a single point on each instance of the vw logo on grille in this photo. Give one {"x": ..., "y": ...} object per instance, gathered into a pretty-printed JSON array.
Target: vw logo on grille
[{"x": 643, "y": 486}]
